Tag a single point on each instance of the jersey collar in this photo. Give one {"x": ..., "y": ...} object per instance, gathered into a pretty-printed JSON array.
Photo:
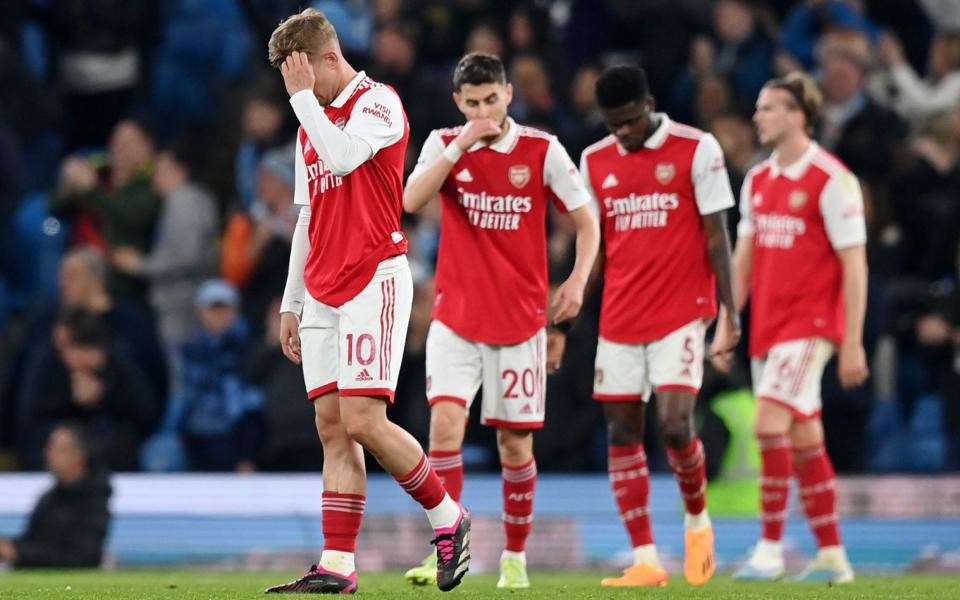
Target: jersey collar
[
  {"x": 505, "y": 144},
  {"x": 798, "y": 168},
  {"x": 344, "y": 95},
  {"x": 657, "y": 138}
]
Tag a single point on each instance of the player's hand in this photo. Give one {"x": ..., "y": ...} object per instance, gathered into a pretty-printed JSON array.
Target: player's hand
[
  {"x": 297, "y": 73},
  {"x": 725, "y": 341},
  {"x": 290, "y": 337},
  {"x": 568, "y": 299},
  {"x": 556, "y": 344},
  {"x": 476, "y": 130},
  {"x": 852, "y": 369}
]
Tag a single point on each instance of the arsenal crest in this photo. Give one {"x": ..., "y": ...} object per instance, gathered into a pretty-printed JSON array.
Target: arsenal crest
[
  {"x": 665, "y": 172},
  {"x": 519, "y": 175},
  {"x": 797, "y": 199}
]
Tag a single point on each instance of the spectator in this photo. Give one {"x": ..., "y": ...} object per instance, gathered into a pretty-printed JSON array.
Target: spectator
[
  {"x": 264, "y": 125},
  {"x": 121, "y": 210},
  {"x": 744, "y": 56},
  {"x": 865, "y": 136},
  {"x": 82, "y": 283},
  {"x": 587, "y": 126},
  {"x": 103, "y": 51},
  {"x": 214, "y": 408},
  {"x": 808, "y": 21},
  {"x": 68, "y": 526},
  {"x": 533, "y": 101},
  {"x": 82, "y": 378},
  {"x": 899, "y": 87},
  {"x": 184, "y": 253},
  {"x": 257, "y": 243}
]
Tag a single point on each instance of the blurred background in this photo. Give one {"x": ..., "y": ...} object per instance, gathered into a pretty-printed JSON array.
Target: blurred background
[{"x": 146, "y": 201}]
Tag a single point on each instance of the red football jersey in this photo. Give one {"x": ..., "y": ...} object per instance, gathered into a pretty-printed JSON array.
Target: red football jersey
[
  {"x": 491, "y": 281},
  {"x": 657, "y": 275},
  {"x": 799, "y": 216},
  {"x": 355, "y": 218}
]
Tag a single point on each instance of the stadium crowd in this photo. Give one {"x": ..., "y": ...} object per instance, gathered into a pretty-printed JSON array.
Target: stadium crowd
[{"x": 146, "y": 196}]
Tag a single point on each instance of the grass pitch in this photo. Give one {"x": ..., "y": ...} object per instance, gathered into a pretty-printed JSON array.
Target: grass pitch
[{"x": 177, "y": 585}]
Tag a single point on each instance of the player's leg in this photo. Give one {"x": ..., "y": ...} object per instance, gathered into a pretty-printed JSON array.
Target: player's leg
[
  {"x": 514, "y": 401},
  {"x": 519, "y": 472},
  {"x": 373, "y": 329},
  {"x": 453, "y": 377},
  {"x": 675, "y": 364},
  {"x": 772, "y": 426},
  {"x": 815, "y": 476},
  {"x": 344, "y": 474},
  {"x": 620, "y": 385}
]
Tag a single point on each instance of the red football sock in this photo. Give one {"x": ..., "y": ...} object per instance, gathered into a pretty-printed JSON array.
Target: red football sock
[
  {"x": 519, "y": 484},
  {"x": 423, "y": 484},
  {"x": 449, "y": 467},
  {"x": 690, "y": 468},
  {"x": 342, "y": 514},
  {"x": 818, "y": 490},
  {"x": 776, "y": 471},
  {"x": 630, "y": 480}
]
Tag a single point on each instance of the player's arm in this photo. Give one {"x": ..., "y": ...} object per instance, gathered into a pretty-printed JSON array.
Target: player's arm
[
  {"x": 562, "y": 176},
  {"x": 841, "y": 205},
  {"x": 295, "y": 290},
  {"x": 436, "y": 161},
  {"x": 713, "y": 195},
  {"x": 376, "y": 121}
]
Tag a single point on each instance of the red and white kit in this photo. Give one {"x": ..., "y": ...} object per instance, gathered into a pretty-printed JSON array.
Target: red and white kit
[
  {"x": 798, "y": 218},
  {"x": 491, "y": 283},
  {"x": 659, "y": 287},
  {"x": 354, "y": 288}
]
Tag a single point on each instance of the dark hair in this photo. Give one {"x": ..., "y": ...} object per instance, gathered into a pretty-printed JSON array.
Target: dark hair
[
  {"x": 804, "y": 93},
  {"x": 85, "y": 328},
  {"x": 478, "y": 68},
  {"x": 621, "y": 85}
]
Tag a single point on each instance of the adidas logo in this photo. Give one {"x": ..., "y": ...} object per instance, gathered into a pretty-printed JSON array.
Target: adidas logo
[
  {"x": 364, "y": 376},
  {"x": 610, "y": 181},
  {"x": 464, "y": 176},
  {"x": 526, "y": 410}
]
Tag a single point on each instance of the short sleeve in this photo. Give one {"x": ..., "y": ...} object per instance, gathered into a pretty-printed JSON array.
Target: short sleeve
[
  {"x": 745, "y": 225},
  {"x": 710, "y": 180},
  {"x": 377, "y": 118},
  {"x": 562, "y": 176},
  {"x": 432, "y": 149},
  {"x": 841, "y": 204},
  {"x": 585, "y": 176},
  {"x": 301, "y": 187}
]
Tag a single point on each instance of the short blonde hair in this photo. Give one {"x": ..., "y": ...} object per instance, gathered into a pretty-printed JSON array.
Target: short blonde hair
[
  {"x": 804, "y": 93},
  {"x": 309, "y": 31}
]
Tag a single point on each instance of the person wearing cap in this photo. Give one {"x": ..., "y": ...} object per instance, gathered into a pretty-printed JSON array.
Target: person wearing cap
[{"x": 214, "y": 410}]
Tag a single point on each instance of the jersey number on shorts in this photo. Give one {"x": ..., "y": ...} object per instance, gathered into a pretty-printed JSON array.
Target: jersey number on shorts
[
  {"x": 527, "y": 381},
  {"x": 366, "y": 349}
]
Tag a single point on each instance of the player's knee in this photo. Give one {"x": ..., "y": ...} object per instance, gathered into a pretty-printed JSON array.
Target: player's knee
[
  {"x": 624, "y": 434},
  {"x": 677, "y": 430},
  {"x": 361, "y": 426},
  {"x": 515, "y": 447},
  {"x": 447, "y": 425}
]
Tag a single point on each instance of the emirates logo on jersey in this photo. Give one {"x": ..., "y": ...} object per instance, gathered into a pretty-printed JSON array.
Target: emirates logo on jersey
[
  {"x": 519, "y": 175},
  {"x": 797, "y": 199},
  {"x": 665, "y": 172}
]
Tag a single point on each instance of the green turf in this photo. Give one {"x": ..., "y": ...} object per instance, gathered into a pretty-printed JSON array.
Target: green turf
[{"x": 553, "y": 586}]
